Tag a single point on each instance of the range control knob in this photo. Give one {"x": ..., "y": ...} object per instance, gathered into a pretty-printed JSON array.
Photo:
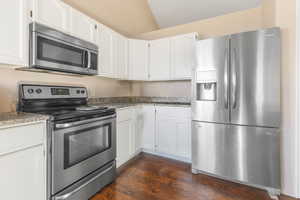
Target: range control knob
[
  {"x": 39, "y": 91},
  {"x": 30, "y": 91},
  {"x": 82, "y": 91},
  {"x": 78, "y": 91}
]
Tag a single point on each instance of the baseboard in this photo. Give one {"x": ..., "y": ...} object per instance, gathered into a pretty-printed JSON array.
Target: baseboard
[{"x": 186, "y": 160}]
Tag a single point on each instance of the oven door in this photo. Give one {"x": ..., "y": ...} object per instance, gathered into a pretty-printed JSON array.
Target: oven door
[
  {"x": 80, "y": 148},
  {"x": 54, "y": 54}
]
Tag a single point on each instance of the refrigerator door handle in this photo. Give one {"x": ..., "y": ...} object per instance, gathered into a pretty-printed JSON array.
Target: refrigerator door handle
[
  {"x": 234, "y": 79},
  {"x": 226, "y": 80}
]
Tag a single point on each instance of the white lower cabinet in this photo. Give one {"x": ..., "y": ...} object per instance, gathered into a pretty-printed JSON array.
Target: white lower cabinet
[
  {"x": 146, "y": 123},
  {"x": 161, "y": 130},
  {"x": 173, "y": 131},
  {"x": 125, "y": 135},
  {"x": 23, "y": 162}
]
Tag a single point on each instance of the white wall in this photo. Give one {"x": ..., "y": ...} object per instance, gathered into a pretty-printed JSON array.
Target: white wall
[{"x": 298, "y": 99}]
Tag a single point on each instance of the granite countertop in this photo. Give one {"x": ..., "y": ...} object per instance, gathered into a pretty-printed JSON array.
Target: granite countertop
[
  {"x": 124, "y": 102},
  {"x": 17, "y": 118},
  {"x": 126, "y": 105}
]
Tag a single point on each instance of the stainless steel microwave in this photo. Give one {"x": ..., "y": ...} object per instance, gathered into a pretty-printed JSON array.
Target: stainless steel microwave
[{"x": 53, "y": 50}]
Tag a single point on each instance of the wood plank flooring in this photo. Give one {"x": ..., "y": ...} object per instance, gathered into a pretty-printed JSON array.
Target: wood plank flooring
[{"x": 154, "y": 178}]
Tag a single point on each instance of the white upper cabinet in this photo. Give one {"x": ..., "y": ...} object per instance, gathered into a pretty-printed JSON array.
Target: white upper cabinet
[
  {"x": 14, "y": 20},
  {"x": 159, "y": 59},
  {"x": 183, "y": 56},
  {"x": 52, "y": 13},
  {"x": 138, "y": 59},
  {"x": 83, "y": 27},
  {"x": 120, "y": 56},
  {"x": 105, "y": 65}
]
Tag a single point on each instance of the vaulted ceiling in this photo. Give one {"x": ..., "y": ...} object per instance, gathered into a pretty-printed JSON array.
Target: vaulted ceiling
[
  {"x": 129, "y": 17},
  {"x": 174, "y": 12}
]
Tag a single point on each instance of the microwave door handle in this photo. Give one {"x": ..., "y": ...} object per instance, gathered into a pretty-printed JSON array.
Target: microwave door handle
[{"x": 89, "y": 59}]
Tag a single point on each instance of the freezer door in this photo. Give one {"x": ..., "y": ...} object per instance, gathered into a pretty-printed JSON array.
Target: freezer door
[
  {"x": 210, "y": 93},
  {"x": 243, "y": 154},
  {"x": 255, "y": 78}
]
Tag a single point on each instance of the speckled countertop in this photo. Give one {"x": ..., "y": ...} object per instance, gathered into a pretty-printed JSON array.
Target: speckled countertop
[
  {"x": 16, "y": 118},
  {"x": 124, "y": 102}
]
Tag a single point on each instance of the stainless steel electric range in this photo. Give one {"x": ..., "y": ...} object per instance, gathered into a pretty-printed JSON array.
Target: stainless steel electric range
[{"x": 81, "y": 139}]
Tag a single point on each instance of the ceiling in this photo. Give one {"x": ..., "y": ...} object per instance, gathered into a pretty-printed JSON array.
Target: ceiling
[{"x": 174, "y": 12}]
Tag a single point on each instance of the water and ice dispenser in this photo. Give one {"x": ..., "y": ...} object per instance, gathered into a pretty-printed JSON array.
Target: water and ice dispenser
[{"x": 206, "y": 85}]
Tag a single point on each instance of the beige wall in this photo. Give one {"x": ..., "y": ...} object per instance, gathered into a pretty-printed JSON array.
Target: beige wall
[
  {"x": 283, "y": 14},
  {"x": 130, "y": 17},
  {"x": 222, "y": 25},
  {"x": 164, "y": 89},
  {"x": 97, "y": 86}
]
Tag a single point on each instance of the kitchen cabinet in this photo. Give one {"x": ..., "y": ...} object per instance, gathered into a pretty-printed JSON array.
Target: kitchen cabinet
[
  {"x": 138, "y": 139},
  {"x": 23, "y": 162},
  {"x": 14, "y": 20},
  {"x": 105, "y": 66},
  {"x": 125, "y": 135},
  {"x": 159, "y": 59},
  {"x": 160, "y": 130},
  {"x": 173, "y": 131},
  {"x": 138, "y": 59},
  {"x": 52, "y": 13},
  {"x": 146, "y": 124},
  {"x": 183, "y": 56},
  {"x": 82, "y": 26},
  {"x": 120, "y": 56}
]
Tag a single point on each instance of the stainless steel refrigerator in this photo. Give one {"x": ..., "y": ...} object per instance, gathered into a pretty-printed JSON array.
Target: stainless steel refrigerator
[{"x": 236, "y": 108}]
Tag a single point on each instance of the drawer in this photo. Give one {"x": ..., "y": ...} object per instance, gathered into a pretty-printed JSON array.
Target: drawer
[
  {"x": 125, "y": 114},
  {"x": 173, "y": 112},
  {"x": 17, "y": 138}
]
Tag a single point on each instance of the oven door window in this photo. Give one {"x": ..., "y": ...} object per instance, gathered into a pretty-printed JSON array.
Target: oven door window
[
  {"x": 57, "y": 52},
  {"x": 84, "y": 144}
]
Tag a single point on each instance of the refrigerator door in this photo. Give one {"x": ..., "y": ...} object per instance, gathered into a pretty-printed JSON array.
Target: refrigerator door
[
  {"x": 238, "y": 153},
  {"x": 210, "y": 93},
  {"x": 255, "y": 78}
]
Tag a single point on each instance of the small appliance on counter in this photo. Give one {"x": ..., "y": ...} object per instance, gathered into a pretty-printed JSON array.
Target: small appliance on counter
[
  {"x": 53, "y": 50},
  {"x": 81, "y": 139},
  {"x": 236, "y": 109}
]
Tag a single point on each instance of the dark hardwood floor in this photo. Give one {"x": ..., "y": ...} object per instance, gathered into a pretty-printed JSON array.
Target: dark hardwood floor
[{"x": 155, "y": 178}]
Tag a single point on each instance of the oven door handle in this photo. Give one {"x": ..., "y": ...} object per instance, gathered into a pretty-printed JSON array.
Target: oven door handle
[
  {"x": 66, "y": 196},
  {"x": 72, "y": 124}
]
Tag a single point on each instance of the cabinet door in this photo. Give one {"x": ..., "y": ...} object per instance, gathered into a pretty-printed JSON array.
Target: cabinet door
[
  {"x": 183, "y": 138},
  {"x": 166, "y": 135},
  {"x": 183, "y": 56},
  {"x": 23, "y": 174},
  {"x": 82, "y": 26},
  {"x": 53, "y": 13},
  {"x": 120, "y": 56},
  {"x": 14, "y": 21},
  {"x": 124, "y": 141},
  {"x": 138, "y": 129},
  {"x": 138, "y": 60},
  {"x": 146, "y": 120},
  {"x": 105, "y": 67},
  {"x": 173, "y": 131},
  {"x": 159, "y": 59}
]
